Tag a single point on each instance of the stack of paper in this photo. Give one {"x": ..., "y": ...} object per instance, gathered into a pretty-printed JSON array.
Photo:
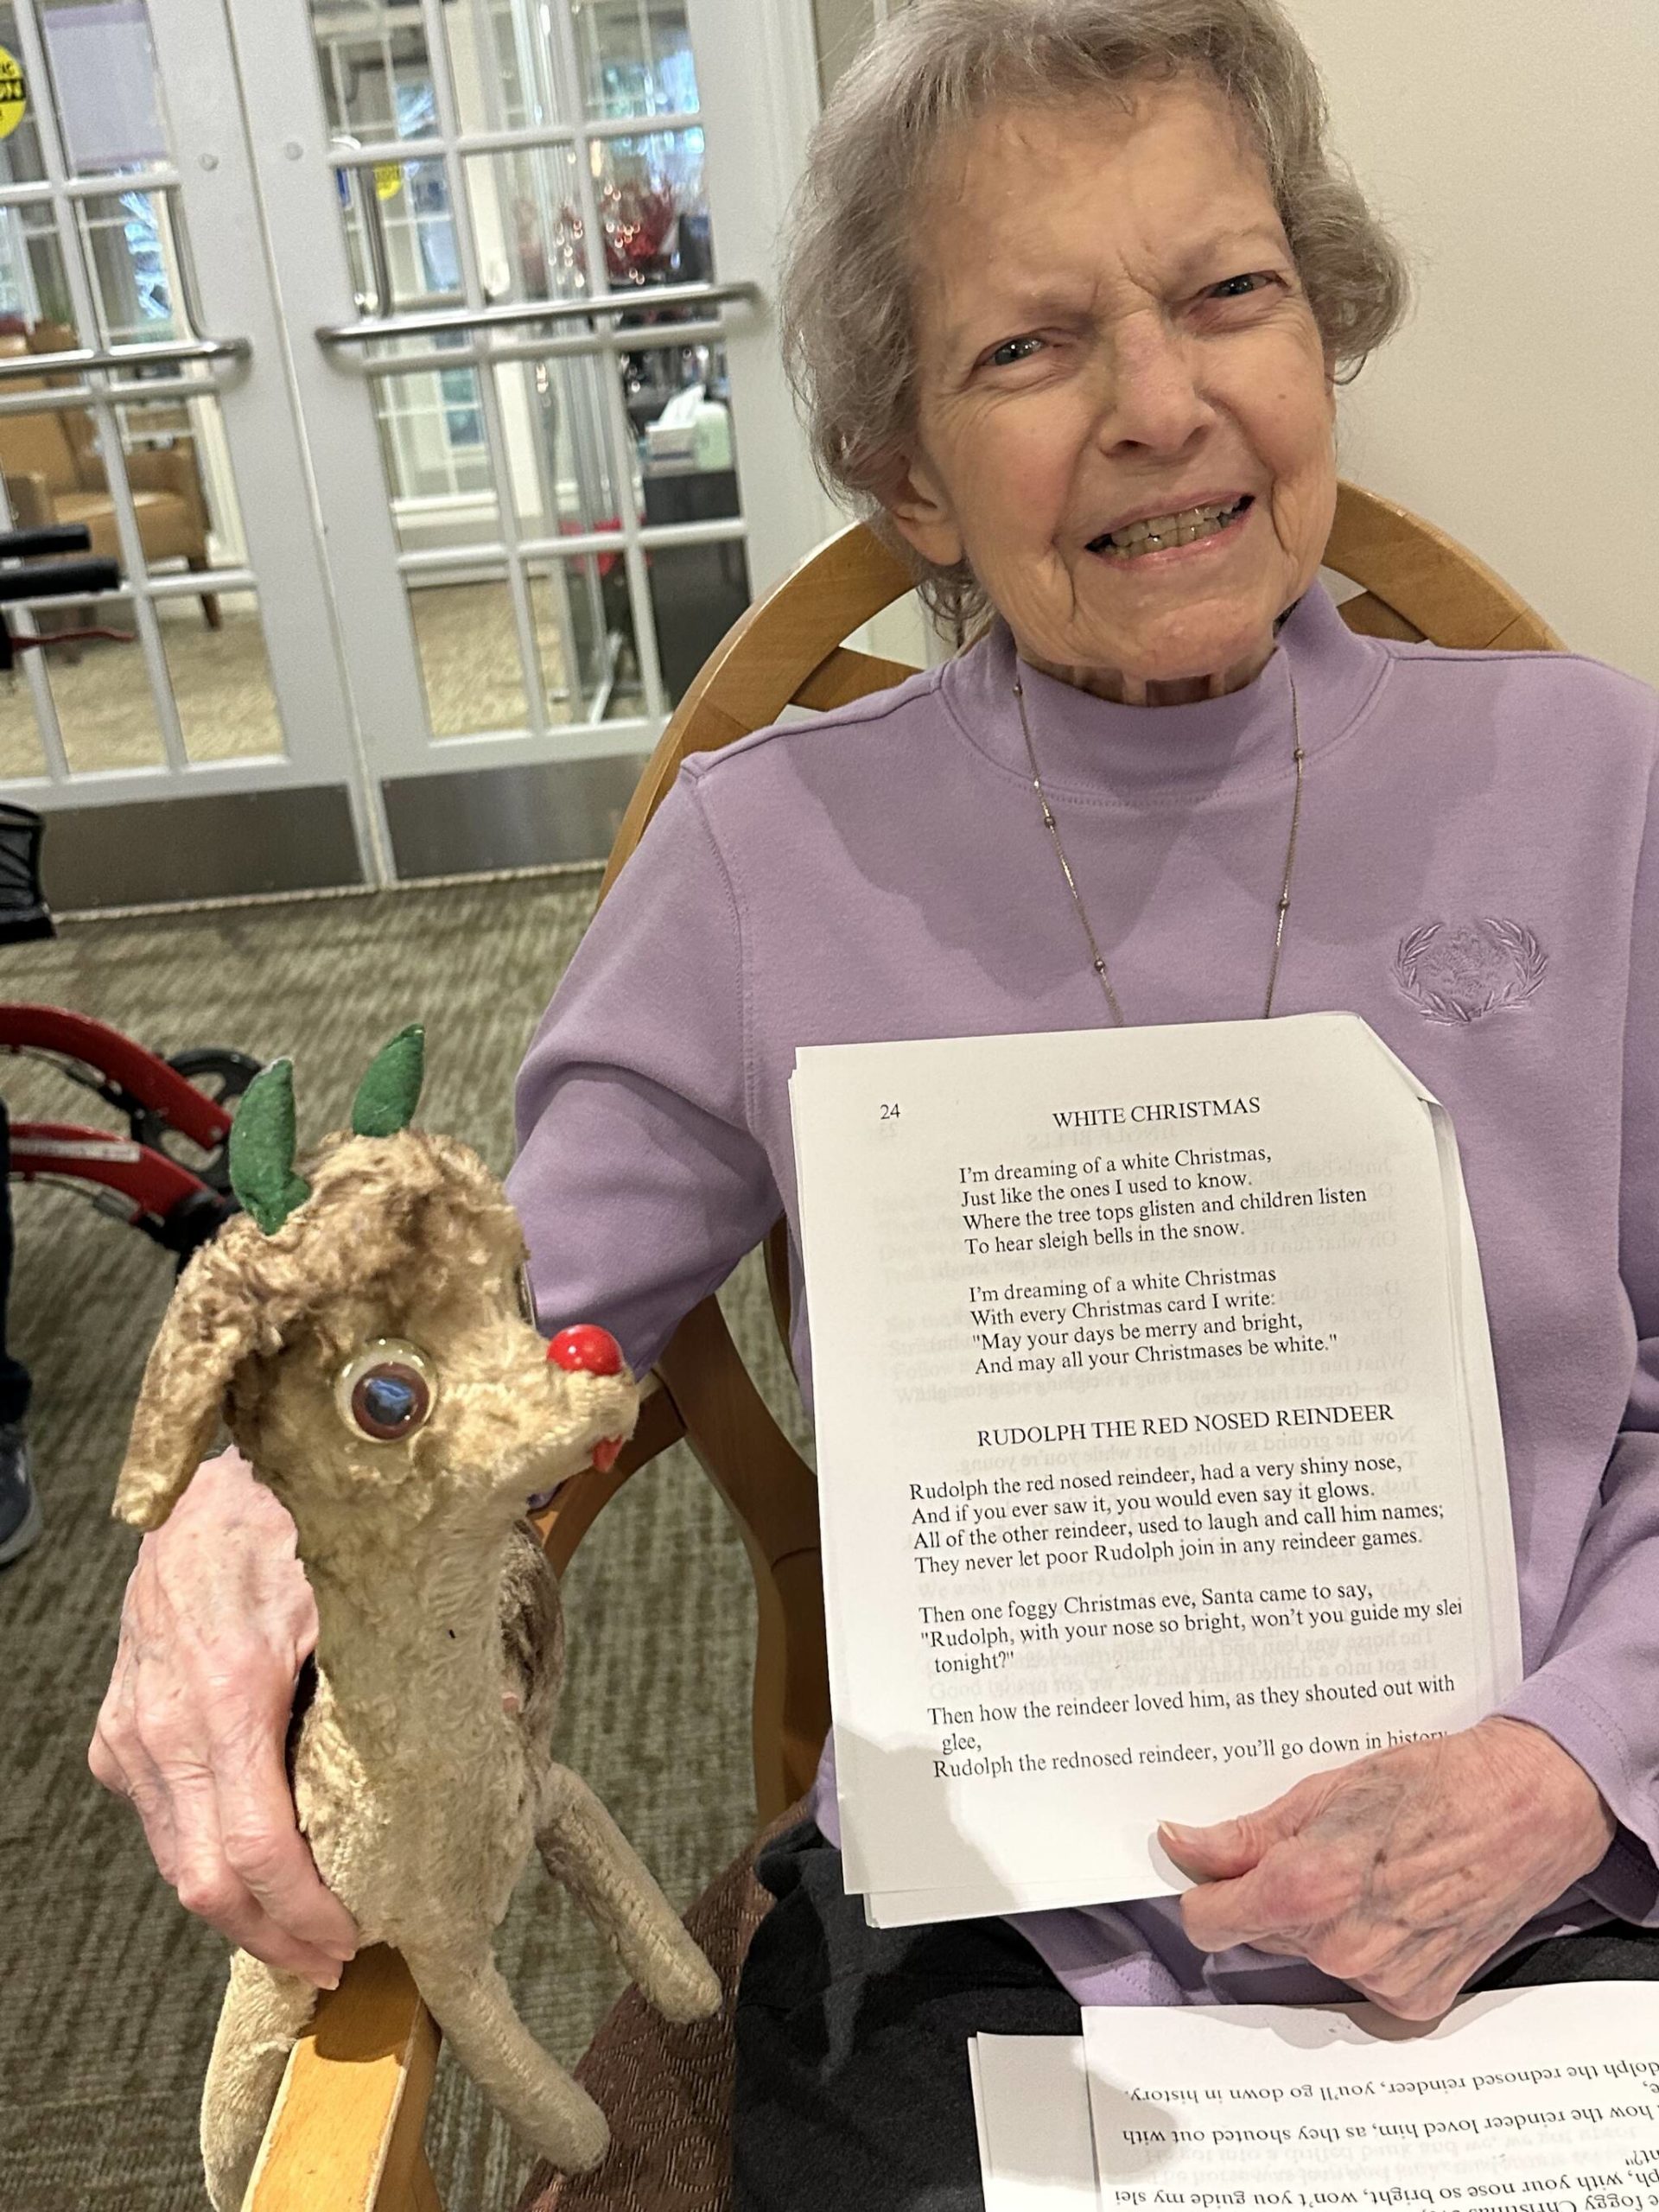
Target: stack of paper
[
  {"x": 1158, "y": 1442},
  {"x": 1530, "y": 2100}
]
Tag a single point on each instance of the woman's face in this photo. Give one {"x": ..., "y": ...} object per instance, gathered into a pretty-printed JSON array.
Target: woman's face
[{"x": 1109, "y": 328}]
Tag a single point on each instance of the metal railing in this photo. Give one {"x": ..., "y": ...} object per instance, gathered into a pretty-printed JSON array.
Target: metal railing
[
  {"x": 13, "y": 367},
  {"x": 514, "y": 314}
]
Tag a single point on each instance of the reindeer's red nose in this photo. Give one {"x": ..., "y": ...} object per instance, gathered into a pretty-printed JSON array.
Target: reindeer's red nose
[{"x": 585, "y": 1350}]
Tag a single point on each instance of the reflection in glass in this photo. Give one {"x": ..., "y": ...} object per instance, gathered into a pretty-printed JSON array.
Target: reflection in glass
[
  {"x": 468, "y": 647},
  {"x": 584, "y": 634},
  {"x": 558, "y": 449},
  {"x": 33, "y": 291},
  {"x": 377, "y": 81},
  {"x": 93, "y": 52},
  {"x": 134, "y": 255},
  {"x": 633, "y": 57},
  {"x": 636, "y": 58},
  {"x": 653, "y": 204},
  {"x": 397, "y": 217},
  {"x": 525, "y": 223},
  {"x": 221, "y": 679},
  {"x": 435, "y": 454}
]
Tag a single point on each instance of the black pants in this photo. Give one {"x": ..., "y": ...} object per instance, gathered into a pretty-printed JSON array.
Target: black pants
[
  {"x": 14, "y": 1375},
  {"x": 853, "y": 2093}
]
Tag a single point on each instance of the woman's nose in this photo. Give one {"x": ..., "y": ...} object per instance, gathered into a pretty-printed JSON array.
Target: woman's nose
[
  {"x": 585, "y": 1350},
  {"x": 1154, "y": 398}
]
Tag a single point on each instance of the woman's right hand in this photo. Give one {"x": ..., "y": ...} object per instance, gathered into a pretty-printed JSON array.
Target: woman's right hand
[{"x": 217, "y": 1621}]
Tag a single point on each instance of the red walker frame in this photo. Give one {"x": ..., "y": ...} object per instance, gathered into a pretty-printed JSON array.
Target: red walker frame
[{"x": 134, "y": 1177}]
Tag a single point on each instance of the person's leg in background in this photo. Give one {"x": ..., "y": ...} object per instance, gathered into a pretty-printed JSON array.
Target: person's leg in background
[{"x": 20, "y": 1509}]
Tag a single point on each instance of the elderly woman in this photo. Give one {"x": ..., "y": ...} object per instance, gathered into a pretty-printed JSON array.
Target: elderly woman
[{"x": 1070, "y": 289}]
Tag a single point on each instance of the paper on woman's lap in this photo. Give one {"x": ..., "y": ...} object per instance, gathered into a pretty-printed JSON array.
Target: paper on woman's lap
[
  {"x": 1542, "y": 2099},
  {"x": 1159, "y": 1444}
]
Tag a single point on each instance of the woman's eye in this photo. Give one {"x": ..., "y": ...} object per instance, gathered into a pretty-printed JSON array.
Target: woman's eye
[
  {"x": 1254, "y": 279},
  {"x": 1005, "y": 355},
  {"x": 387, "y": 1391}
]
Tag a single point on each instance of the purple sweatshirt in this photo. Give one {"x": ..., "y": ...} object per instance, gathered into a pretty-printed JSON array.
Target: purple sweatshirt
[{"x": 1477, "y": 876}]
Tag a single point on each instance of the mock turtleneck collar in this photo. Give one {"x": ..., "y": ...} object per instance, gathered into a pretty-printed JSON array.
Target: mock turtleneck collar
[{"x": 1088, "y": 746}]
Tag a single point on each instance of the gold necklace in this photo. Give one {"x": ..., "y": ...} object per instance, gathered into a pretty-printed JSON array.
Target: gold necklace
[{"x": 1096, "y": 956}]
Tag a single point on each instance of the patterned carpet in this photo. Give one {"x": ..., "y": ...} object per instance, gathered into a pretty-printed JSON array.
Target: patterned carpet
[{"x": 108, "y": 1992}]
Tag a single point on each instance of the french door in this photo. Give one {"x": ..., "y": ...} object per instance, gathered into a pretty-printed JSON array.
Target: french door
[{"x": 414, "y": 358}]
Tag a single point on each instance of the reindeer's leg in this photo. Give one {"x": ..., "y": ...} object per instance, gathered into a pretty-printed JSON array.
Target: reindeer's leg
[
  {"x": 262, "y": 2017},
  {"x": 471, "y": 2003},
  {"x": 583, "y": 1847}
]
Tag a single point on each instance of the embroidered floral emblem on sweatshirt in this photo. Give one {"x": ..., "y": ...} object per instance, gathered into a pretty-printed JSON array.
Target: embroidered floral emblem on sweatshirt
[{"x": 1464, "y": 971}]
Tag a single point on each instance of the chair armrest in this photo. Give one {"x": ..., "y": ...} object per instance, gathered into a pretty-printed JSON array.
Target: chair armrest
[
  {"x": 32, "y": 505},
  {"x": 345, "y": 2130}
]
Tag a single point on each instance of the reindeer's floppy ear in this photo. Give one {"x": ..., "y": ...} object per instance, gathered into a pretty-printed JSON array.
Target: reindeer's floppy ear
[{"x": 206, "y": 1334}]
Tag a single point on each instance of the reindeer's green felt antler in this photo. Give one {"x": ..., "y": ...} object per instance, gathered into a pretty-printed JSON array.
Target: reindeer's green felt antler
[
  {"x": 262, "y": 1148},
  {"x": 386, "y": 1097}
]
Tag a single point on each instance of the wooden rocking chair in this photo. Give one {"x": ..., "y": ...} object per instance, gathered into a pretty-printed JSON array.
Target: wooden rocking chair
[{"x": 345, "y": 2135}]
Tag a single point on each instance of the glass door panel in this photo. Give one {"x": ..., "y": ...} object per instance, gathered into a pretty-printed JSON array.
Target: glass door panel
[
  {"x": 540, "y": 185},
  {"x": 376, "y": 80},
  {"x": 467, "y": 630},
  {"x": 94, "y": 254},
  {"x": 636, "y": 58},
  {"x": 564, "y": 477},
  {"x": 584, "y": 631}
]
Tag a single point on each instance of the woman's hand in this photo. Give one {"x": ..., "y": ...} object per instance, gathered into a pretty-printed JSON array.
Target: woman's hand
[
  {"x": 218, "y": 1618},
  {"x": 1404, "y": 1873}
]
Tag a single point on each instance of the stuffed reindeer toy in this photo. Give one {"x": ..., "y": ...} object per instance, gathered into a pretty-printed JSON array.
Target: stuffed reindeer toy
[{"x": 363, "y": 1336}]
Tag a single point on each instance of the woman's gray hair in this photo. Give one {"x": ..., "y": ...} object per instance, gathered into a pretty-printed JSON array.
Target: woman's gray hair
[{"x": 848, "y": 266}]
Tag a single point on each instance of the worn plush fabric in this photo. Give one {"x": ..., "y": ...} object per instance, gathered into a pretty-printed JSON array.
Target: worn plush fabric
[
  {"x": 1477, "y": 876},
  {"x": 421, "y": 1770}
]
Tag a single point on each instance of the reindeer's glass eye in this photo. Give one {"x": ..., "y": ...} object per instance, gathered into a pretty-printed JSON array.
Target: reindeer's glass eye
[
  {"x": 387, "y": 1391},
  {"x": 527, "y": 1296}
]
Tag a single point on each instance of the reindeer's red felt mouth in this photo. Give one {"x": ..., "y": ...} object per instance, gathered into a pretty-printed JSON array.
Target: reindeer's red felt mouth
[{"x": 605, "y": 1453}]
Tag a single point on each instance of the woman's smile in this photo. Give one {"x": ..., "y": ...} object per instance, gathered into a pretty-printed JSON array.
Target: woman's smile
[{"x": 1161, "y": 542}]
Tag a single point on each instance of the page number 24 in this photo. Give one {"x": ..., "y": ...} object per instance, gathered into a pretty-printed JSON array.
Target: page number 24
[{"x": 889, "y": 1113}]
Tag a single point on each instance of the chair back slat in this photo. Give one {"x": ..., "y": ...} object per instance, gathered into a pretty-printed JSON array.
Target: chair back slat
[
  {"x": 1366, "y": 614},
  {"x": 1443, "y": 590},
  {"x": 846, "y": 675}
]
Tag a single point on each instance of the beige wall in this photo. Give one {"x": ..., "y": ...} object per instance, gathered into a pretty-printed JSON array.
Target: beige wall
[
  {"x": 1514, "y": 144},
  {"x": 1515, "y": 147}
]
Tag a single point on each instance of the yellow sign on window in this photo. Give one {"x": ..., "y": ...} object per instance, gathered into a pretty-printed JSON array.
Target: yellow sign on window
[
  {"x": 14, "y": 93},
  {"x": 388, "y": 180}
]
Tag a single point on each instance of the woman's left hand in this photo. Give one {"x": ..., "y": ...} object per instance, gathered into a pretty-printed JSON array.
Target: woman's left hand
[{"x": 1405, "y": 1871}]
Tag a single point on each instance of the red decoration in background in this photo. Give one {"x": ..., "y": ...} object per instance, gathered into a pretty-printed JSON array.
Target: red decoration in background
[
  {"x": 572, "y": 526},
  {"x": 639, "y": 222}
]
